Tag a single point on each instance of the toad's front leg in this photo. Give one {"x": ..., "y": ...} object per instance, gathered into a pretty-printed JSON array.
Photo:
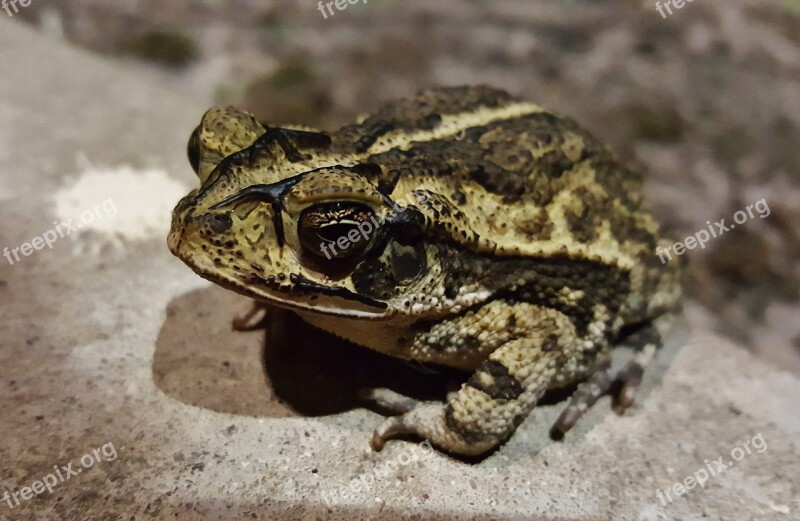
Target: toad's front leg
[
  {"x": 498, "y": 396},
  {"x": 254, "y": 318}
]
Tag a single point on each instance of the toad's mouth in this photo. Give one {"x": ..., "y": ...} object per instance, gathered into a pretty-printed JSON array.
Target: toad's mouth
[{"x": 299, "y": 293}]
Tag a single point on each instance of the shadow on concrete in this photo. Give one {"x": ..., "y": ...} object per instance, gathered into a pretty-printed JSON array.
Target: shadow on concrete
[
  {"x": 288, "y": 369},
  {"x": 292, "y": 369}
]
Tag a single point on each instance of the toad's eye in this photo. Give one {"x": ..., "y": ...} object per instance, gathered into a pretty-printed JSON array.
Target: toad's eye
[
  {"x": 338, "y": 230},
  {"x": 193, "y": 150}
]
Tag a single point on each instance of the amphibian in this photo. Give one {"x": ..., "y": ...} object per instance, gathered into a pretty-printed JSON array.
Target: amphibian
[{"x": 461, "y": 227}]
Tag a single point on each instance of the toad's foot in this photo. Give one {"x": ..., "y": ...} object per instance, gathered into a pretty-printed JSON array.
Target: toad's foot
[{"x": 387, "y": 399}]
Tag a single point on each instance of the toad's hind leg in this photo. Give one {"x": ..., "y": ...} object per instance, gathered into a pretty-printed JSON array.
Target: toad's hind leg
[
  {"x": 622, "y": 386},
  {"x": 584, "y": 397},
  {"x": 645, "y": 341},
  {"x": 497, "y": 397}
]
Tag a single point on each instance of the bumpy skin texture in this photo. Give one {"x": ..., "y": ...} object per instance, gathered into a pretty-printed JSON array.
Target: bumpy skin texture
[{"x": 507, "y": 241}]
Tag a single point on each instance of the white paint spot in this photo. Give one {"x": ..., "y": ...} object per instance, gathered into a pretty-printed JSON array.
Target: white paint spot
[{"x": 119, "y": 202}]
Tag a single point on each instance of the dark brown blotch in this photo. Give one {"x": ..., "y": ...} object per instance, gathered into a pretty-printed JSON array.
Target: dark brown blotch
[{"x": 505, "y": 386}]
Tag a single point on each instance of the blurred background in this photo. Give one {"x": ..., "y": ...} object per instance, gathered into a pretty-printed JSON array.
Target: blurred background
[{"x": 707, "y": 98}]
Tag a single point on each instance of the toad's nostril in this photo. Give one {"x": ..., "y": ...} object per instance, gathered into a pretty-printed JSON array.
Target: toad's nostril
[
  {"x": 218, "y": 223},
  {"x": 222, "y": 223}
]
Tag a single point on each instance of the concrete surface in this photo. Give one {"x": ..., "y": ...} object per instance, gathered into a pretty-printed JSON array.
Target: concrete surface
[{"x": 108, "y": 344}]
